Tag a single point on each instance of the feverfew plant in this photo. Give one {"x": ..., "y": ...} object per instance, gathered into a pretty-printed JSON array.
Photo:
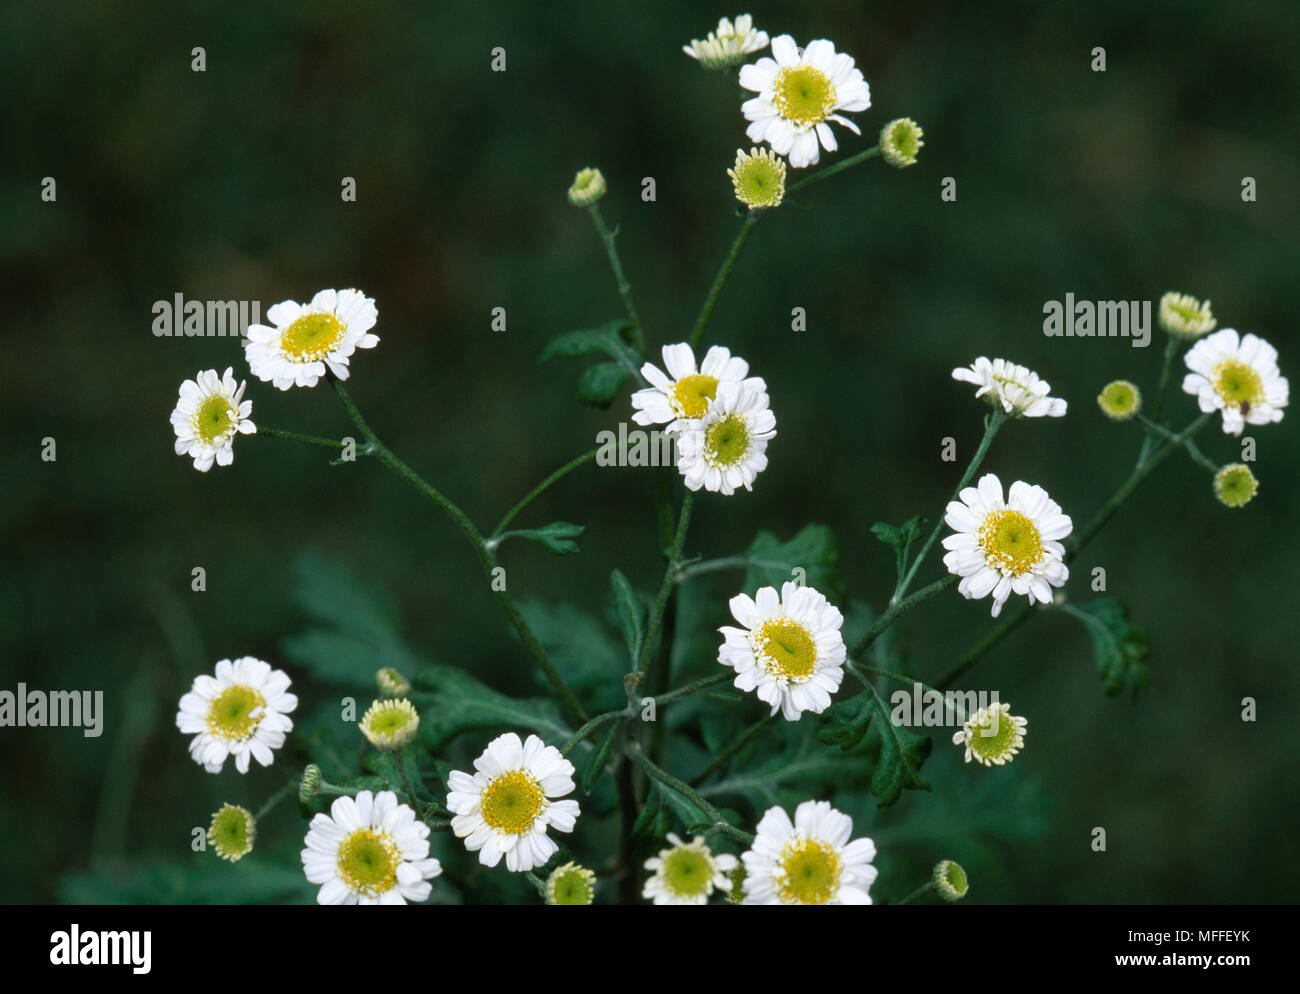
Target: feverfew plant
[{"x": 667, "y": 783}]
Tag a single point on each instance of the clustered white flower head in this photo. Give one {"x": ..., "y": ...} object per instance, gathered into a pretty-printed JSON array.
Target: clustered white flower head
[
  {"x": 800, "y": 91},
  {"x": 809, "y": 860},
  {"x": 789, "y": 651},
  {"x": 505, "y": 807},
  {"x": 718, "y": 413},
  {"x": 728, "y": 45},
  {"x": 305, "y": 340},
  {"x": 1003, "y": 547},
  {"x": 211, "y": 411},
  {"x": 687, "y": 872},
  {"x": 1238, "y": 376},
  {"x": 371, "y": 850},
  {"x": 241, "y": 711},
  {"x": 1016, "y": 389}
]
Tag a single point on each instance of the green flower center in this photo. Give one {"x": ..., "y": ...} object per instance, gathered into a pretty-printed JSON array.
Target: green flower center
[
  {"x": 231, "y": 833},
  {"x": 572, "y": 888},
  {"x": 902, "y": 136},
  {"x": 512, "y": 802},
  {"x": 687, "y": 872},
  {"x": 955, "y": 877},
  {"x": 1236, "y": 485},
  {"x": 726, "y": 442},
  {"x": 810, "y": 872},
  {"x": 214, "y": 419},
  {"x": 788, "y": 648},
  {"x": 389, "y": 720},
  {"x": 230, "y": 715},
  {"x": 804, "y": 95},
  {"x": 312, "y": 336},
  {"x": 1011, "y": 542},
  {"x": 368, "y": 862},
  {"x": 691, "y": 395},
  {"x": 1119, "y": 397},
  {"x": 760, "y": 182},
  {"x": 1238, "y": 384},
  {"x": 993, "y": 735}
]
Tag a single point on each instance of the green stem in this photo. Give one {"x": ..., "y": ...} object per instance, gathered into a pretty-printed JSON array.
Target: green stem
[
  {"x": 991, "y": 427},
  {"x": 838, "y": 167},
  {"x": 724, "y": 274},
  {"x": 666, "y": 585},
  {"x": 910, "y": 681},
  {"x": 486, "y": 559},
  {"x": 1158, "y": 404},
  {"x": 919, "y": 892},
  {"x": 897, "y": 608},
  {"x": 720, "y": 761},
  {"x": 624, "y": 288},
  {"x": 591, "y": 726},
  {"x": 1191, "y": 448},
  {"x": 273, "y": 800},
  {"x": 294, "y": 436},
  {"x": 693, "y": 688},
  {"x": 411, "y": 795},
  {"x": 686, "y": 790},
  {"x": 528, "y": 498}
]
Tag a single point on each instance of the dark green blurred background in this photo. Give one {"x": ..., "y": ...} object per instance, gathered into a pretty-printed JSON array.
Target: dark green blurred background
[{"x": 225, "y": 184}]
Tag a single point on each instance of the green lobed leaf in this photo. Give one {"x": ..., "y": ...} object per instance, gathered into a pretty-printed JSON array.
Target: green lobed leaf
[
  {"x": 600, "y": 384},
  {"x": 556, "y": 537},
  {"x": 582, "y": 648},
  {"x": 1120, "y": 648},
  {"x": 899, "y": 538},
  {"x": 902, "y": 751},
  {"x": 814, "y": 549},
  {"x": 461, "y": 703},
  {"x": 595, "y": 764},
  {"x": 628, "y": 609},
  {"x": 606, "y": 338}
]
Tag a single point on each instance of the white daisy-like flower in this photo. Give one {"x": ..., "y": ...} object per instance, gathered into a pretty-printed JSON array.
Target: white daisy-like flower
[
  {"x": 1237, "y": 375},
  {"x": 371, "y": 850},
  {"x": 1017, "y": 389},
  {"x": 992, "y": 735},
  {"x": 790, "y": 651},
  {"x": 727, "y": 448},
  {"x": 799, "y": 92},
  {"x": 683, "y": 394},
  {"x": 810, "y": 861},
  {"x": 728, "y": 45},
  {"x": 211, "y": 411},
  {"x": 687, "y": 872},
  {"x": 241, "y": 711},
  {"x": 305, "y": 340},
  {"x": 506, "y": 806},
  {"x": 1005, "y": 547}
]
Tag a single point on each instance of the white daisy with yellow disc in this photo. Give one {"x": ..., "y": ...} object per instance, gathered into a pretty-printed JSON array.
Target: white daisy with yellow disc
[
  {"x": 506, "y": 806},
  {"x": 1238, "y": 376},
  {"x": 800, "y": 91},
  {"x": 809, "y": 860},
  {"x": 683, "y": 394},
  {"x": 304, "y": 341},
  {"x": 727, "y": 448},
  {"x": 1018, "y": 390},
  {"x": 1004, "y": 547},
  {"x": 687, "y": 872},
  {"x": 789, "y": 652},
  {"x": 371, "y": 850},
  {"x": 240, "y": 711},
  {"x": 211, "y": 411}
]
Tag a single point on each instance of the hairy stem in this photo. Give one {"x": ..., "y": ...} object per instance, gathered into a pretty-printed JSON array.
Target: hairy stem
[
  {"x": 897, "y": 608},
  {"x": 838, "y": 167},
  {"x": 686, "y": 790},
  {"x": 533, "y": 494},
  {"x": 724, "y": 274},
  {"x": 624, "y": 288},
  {"x": 294, "y": 436},
  {"x": 666, "y": 585}
]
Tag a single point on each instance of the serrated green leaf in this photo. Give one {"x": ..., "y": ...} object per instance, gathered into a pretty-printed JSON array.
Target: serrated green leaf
[
  {"x": 628, "y": 609},
  {"x": 653, "y": 822},
  {"x": 461, "y": 703},
  {"x": 1120, "y": 648},
  {"x": 902, "y": 751},
  {"x": 556, "y": 537},
  {"x": 900, "y": 538},
  {"x": 600, "y": 384},
  {"x": 583, "y": 649},
  {"x": 595, "y": 765},
  {"x": 799, "y": 769},
  {"x": 814, "y": 549},
  {"x": 606, "y": 338}
]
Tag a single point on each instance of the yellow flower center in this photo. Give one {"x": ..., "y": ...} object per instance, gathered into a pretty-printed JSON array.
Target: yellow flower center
[
  {"x": 1238, "y": 384},
  {"x": 726, "y": 442},
  {"x": 512, "y": 802},
  {"x": 230, "y": 715},
  {"x": 214, "y": 419},
  {"x": 687, "y": 872},
  {"x": 232, "y": 831},
  {"x": 804, "y": 95},
  {"x": 691, "y": 395},
  {"x": 1011, "y": 542},
  {"x": 992, "y": 735},
  {"x": 312, "y": 337},
  {"x": 810, "y": 872},
  {"x": 759, "y": 181},
  {"x": 368, "y": 862},
  {"x": 788, "y": 649}
]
